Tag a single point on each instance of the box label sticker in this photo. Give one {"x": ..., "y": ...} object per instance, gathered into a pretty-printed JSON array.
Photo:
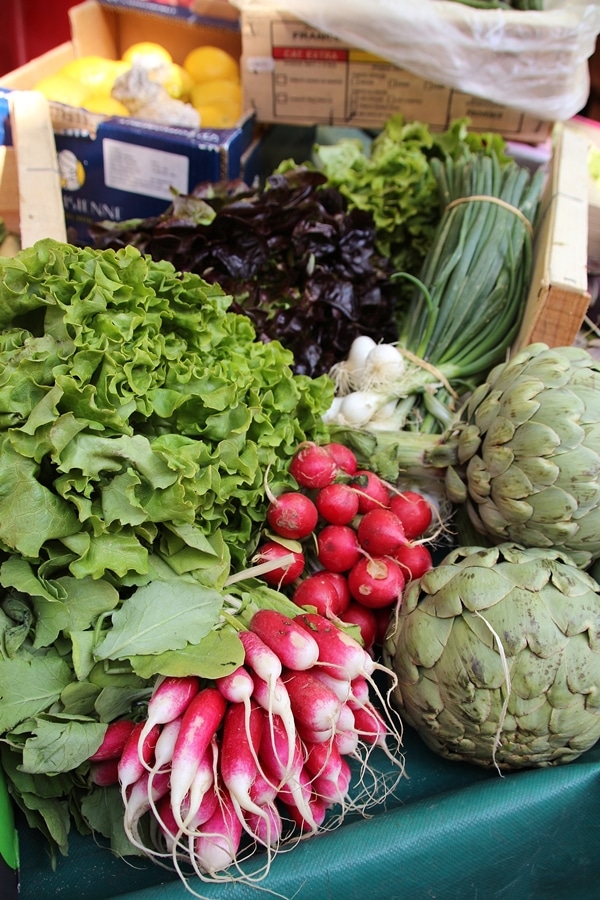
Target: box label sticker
[{"x": 142, "y": 170}]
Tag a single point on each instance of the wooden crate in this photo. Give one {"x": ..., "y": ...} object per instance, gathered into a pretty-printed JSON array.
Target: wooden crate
[
  {"x": 558, "y": 297},
  {"x": 30, "y": 189}
]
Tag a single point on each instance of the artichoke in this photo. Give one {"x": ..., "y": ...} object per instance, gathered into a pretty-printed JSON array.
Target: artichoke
[
  {"x": 529, "y": 452},
  {"x": 497, "y": 655}
]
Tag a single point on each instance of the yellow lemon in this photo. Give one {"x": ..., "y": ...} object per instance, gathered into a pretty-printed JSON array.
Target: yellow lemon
[
  {"x": 106, "y": 106},
  {"x": 208, "y": 63},
  {"x": 63, "y": 89},
  {"x": 217, "y": 91},
  {"x": 148, "y": 53},
  {"x": 176, "y": 81},
  {"x": 219, "y": 115},
  {"x": 95, "y": 72}
]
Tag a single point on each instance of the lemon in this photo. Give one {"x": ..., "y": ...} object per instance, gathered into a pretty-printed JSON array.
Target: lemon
[
  {"x": 148, "y": 53},
  {"x": 207, "y": 63},
  {"x": 105, "y": 105},
  {"x": 95, "y": 72},
  {"x": 63, "y": 89},
  {"x": 177, "y": 82},
  {"x": 219, "y": 115},
  {"x": 217, "y": 91}
]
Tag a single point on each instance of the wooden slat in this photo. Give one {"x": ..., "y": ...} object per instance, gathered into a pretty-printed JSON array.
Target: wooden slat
[
  {"x": 558, "y": 297},
  {"x": 41, "y": 211}
]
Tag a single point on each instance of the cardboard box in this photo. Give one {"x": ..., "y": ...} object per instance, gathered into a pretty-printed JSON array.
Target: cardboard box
[
  {"x": 558, "y": 296},
  {"x": 30, "y": 191},
  {"x": 294, "y": 74},
  {"x": 215, "y": 13},
  {"x": 120, "y": 168}
]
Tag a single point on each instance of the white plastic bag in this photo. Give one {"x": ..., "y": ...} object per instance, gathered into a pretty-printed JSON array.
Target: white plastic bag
[{"x": 536, "y": 62}]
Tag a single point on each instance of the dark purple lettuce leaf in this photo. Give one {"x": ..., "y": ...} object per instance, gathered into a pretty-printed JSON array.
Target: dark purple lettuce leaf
[{"x": 301, "y": 265}]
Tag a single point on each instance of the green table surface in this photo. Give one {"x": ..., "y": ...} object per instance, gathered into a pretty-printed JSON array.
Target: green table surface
[{"x": 452, "y": 830}]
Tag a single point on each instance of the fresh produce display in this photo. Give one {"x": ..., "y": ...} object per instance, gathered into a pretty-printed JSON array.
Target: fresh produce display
[
  {"x": 497, "y": 653},
  {"x": 298, "y": 263},
  {"x": 146, "y": 83},
  {"x": 466, "y": 308},
  {"x": 236, "y": 440}
]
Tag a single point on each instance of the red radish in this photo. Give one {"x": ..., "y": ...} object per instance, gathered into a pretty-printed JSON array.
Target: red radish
[
  {"x": 322, "y": 591},
  {"x": 165, "y": 745},
  {"x": 237, "y": 686},
  {"x": 169, "y": 700},
  {"x": 135, "y": 759},
  {"x": 359, "y": 691},
  {"x": 365, "y": 619},
  {"x": 343, "y": 456},
  {"x": 383, "y": 620},
  {"x": 284, "y": 574},
  {"x": 240, "y": 744},
  {"x": 274, "y": 756},
  {"x": 292, "y": 515},
  {"x": 337, "y": 503},
  {"x": 199, "y": 724},
  {"x": 144, "y": 794},
  {"x": 206, "y": 806},
  {"x": 337, "y": 547},
  {"x": 414, "y": 511},
  {"x": 202, "y": 783},
  {"x": 371, "y": 726},
  {"x": 268, "y": 827},
  {"x": 333, "y": 789},
  {"x": 275, "y": 701},
  {"x": 114, "y": 740},
  {"x": 372, "y": 491},
  {"x": 376, "y": 582},
  {"x": 313, "y": 466},
  {"x": 414, "y": 559},
  {"x": 300, "y": 785},
  {"x": 217, "y": 846},
  {"x": 380, "y": 532},
  {"x": 339, "y": 653},
  {"x": 259, "y": 657},
  {"x": 322, "y": 760},
  {"x": 313, "y": 703},
  {"x": 295, "y": 648},
  {"x": 317, "y": 812},
  {"x": 314, "y": 736},
  {"x": 346, "y": 742},
  {"x": 262, "y": 791},
  {"x": 339, "y": 686},
  {"x": 345, "y": 720},
  {"x": 104, "y": 772},
  {"x": 341, "y": 583}
]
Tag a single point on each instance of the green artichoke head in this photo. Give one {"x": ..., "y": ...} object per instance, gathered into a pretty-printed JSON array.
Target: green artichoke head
[
  {"x": 529, "y": 452},
  {"x": 497, "y": 655}
]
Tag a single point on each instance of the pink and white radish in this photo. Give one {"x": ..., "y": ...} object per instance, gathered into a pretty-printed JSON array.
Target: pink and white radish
[
  {"x": 295, "y": 648},
  {"x": 200, "y": 721},
  {"x": 114, "y": 740}
]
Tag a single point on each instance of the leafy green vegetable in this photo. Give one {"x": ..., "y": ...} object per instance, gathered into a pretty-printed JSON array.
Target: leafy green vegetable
[
  {"x": 138, "y": 417},
  {"x": 394, "y": 182}
]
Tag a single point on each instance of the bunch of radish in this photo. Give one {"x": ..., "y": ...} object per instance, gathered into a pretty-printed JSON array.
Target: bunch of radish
[
  {"x": 350, "y": 540},
  {"x": 255, "y": 758}
]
